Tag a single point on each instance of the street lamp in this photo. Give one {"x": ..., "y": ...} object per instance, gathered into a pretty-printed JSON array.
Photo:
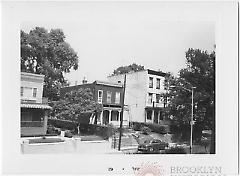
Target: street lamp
[{"x": 191, "y": 121}]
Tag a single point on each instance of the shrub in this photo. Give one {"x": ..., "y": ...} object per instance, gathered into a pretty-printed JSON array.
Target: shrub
[
  {"x": 85, "y": 129},
  {"x": 162, "y": 129},
  {"x": 145, "y": 130},
  {"x": 137, "y": 126},
  {"x": 176, "y": 150},
  {"x": 63, "y": 124}
]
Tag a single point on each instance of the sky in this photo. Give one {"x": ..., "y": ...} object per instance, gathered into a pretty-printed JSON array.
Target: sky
[{"x": 106, "y": 38}]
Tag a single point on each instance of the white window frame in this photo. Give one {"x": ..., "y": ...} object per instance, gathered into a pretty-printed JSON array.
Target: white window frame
[
  {"x": 100, "y": 99},
  {"x": 157, "y": 83},
  {"x": 109, "y": 95},
  {"x": 150, "y": 79},
  {"x": 36, "y": 92},
  {"x": 159, "y": 100},
  {"x": 119, "y": 98},
  {"x": 150, "y": 102}
]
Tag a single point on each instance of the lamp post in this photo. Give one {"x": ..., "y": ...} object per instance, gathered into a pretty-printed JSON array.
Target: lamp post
[{"x": 191, "y": 120}]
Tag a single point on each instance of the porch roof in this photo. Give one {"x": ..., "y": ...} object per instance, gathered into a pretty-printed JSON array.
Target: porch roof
[
  {"x": 154, "y": 108},
  {"x": 35, "y": 106}
]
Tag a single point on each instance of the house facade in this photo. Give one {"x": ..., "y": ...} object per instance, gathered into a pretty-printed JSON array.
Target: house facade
[
  {"x": 142, "y": 95},
  {"x": 34, "y": 108},
  {"x": 109, "y": 95}
]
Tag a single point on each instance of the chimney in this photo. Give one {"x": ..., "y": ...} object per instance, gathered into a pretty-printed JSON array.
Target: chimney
[{"x": 84, "y": 81}]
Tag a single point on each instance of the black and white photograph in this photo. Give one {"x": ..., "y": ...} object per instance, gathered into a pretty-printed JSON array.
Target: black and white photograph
[{"x": 123, "y": 81}]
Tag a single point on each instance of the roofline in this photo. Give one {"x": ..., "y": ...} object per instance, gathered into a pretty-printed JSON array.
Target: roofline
[
  {"x": 107, "y": 83},
  {"x": 98, "y": 82},
  {"x": 153, "y": 72},
  {"x": 32, "y": 74}
]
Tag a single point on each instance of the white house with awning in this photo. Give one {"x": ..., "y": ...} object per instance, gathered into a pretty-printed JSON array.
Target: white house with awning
[{"x": 34, "y": 108}]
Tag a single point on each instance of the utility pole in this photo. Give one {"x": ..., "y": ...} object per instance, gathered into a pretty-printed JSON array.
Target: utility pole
[
  {"x": 121, "y": 115},
  {"x": 191, "y": 123}
]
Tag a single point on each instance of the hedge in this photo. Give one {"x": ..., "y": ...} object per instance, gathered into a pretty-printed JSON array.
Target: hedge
[
  {"x": 85, "y": 129},
  {"x": 162, "y": 129}
]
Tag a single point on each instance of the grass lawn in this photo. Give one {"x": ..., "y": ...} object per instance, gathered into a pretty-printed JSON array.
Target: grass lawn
[{"x": 45, "y": 140}]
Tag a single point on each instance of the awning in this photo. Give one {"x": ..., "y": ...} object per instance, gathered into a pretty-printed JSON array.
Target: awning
[{"x": 35, "y": 106}]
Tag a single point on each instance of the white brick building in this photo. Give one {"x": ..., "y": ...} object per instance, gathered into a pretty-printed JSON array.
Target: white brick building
[{"x": 142, "y": 96}]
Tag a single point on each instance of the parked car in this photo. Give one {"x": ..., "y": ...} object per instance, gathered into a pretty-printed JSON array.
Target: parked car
[{"x": 154, "y": 145}]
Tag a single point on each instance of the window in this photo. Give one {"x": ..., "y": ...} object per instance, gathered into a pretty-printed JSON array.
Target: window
[
  {"x": 21, "y": 91},
  {"x": 158, "y": 97},
  {"x": 109, "y": 96},
  {"x": 158, "y": 84},
  {"x": 100, "y": 96},
  {"x": 150, "y": 97},
  {"x": 34, "y": 92},
  {"x": 117, "y": 98},
  {"x": 150, "y": 82}
]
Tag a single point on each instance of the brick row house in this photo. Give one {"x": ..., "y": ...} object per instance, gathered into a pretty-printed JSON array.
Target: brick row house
[
  {"x": 34, "y": 108},
  {"x": 109, "y": 95},
  {"x": 143, "y": 95}
]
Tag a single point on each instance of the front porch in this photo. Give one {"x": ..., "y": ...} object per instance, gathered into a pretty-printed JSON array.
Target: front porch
[
  {"x": 111, "y": 115},
  {"x": 34, "y": 119},
  {"x": 156, "y": 115}
]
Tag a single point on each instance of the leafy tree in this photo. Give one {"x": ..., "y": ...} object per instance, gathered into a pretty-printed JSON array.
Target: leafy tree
[
  {"x": 199, "y": 73},
  {"x": 75, "y": 105},
  {"x": 47, "y": 53},
  {"x": 126, "y": 69}
]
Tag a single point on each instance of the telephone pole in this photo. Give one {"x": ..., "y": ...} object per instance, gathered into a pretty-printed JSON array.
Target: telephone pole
[{"x": 121, "y": 115}]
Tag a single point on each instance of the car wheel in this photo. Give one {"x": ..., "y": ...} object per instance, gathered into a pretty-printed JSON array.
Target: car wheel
[{"x": 151, "y": 149}]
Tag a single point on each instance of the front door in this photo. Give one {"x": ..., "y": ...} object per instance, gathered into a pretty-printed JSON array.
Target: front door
[{"x": 105, "y": 117}]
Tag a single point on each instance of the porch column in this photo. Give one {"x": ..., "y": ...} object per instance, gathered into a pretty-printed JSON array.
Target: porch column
[
  {"x": 159, "y": 113},
  {"x": 109, "y": 117},
  {"x": 101, "y": 118},
  {"x": 152, "y": 116},
  {"x": 119, "y": 114},
  {"x": 45, "y": 119}
]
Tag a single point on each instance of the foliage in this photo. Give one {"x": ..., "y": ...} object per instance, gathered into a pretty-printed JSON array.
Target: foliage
[
  {"x": 145, "y": 130},
  {"x": 199, "y": 73},
  {"x": 76, "y": 105},
  {"x": 62, "y": 124},
  {"x": 47, "y": 52},
  {"x": 161, "y": 129},
  {"x": 126, "y": 69},
  {"x": 85, "y": 129}
]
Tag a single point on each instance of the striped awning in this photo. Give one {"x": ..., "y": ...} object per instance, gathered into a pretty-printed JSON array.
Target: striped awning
[{"x": 35, "y": 106}]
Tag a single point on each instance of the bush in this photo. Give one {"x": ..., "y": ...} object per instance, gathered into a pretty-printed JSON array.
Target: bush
[
  {"x": 176, "y": 150},
  {"x": 63, "y": 124},
  {"x": 162, "y": 129},
  {"x": 145, "y": 130},
  {"x": 85, "y": 129},
  {"x": 137, "y": 126}
]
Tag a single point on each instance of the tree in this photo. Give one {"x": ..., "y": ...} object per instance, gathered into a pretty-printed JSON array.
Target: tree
[
  {"x": 75, "y": 105},
  {"x": 47, "y": 53},
  {"x": 126, "y": 69},
  {"x": 200, "y": 73}
]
